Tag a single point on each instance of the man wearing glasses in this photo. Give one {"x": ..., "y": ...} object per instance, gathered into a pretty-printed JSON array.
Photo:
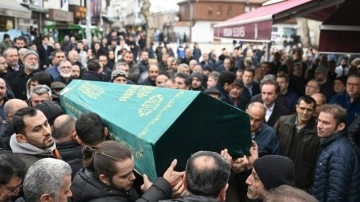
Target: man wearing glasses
[
  {"x": 299, "y": 141},
  {"x": 12, "y": 173},
  {"x": 350, "y": 100}
]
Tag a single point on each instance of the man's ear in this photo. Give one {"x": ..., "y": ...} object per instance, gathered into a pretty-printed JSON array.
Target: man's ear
[
  {"x": 20, "y": 138},
  {"x": 340, "y": 127},
  {"x": 74, "y": 135},
  {"x": 222, "y": 194},
  {"x": 104, "y": 179},
  {"x": 106, "y": 132},
  {"x": 46, "y": 198}
]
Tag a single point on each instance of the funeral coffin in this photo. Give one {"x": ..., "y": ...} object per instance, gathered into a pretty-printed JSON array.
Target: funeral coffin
[{"x": 159, "y": 124}]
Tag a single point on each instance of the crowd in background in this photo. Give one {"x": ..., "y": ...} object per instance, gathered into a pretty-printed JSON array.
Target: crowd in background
[{"x": 302, "y": 105}]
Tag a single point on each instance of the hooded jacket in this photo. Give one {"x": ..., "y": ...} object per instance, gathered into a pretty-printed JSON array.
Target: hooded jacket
[
  {"x": 29, "y": 153},
  {"x": 86, "y": 188}
]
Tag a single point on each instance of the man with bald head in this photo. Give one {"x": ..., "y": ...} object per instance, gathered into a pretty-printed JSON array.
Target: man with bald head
[
  {"x": 10, "y": 108},
  {"x": 66, "y": 141},
  {"x": 206, "y": 177},
  {"x": 261, "y": 133},
  {"x": 320, "y": 99}
]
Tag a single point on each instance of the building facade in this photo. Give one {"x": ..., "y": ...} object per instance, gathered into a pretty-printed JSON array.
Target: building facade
[{"x": 197, "y": 18}]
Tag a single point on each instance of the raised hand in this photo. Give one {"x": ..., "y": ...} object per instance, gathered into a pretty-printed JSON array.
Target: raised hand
[
  {"x": 172, "y": 176},
  {"x": 147, "y": 184}
]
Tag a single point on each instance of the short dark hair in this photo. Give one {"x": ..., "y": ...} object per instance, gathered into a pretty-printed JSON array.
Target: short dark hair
[
  {"x": 11, "y": 165},
  {"x": 249, "y": 69},
  {"x": 308, "y": 100},
  {"x": 42, "y": 77},
  {"x": 90, "y": 128},
  {"x": 226, "y": 77},
  {"x": 93, "y": 65},
  {"x": 284, "y": 76},
  {"x": 18, "y": 119},
  {"x": 336, "y": 111},
  {"x": 270, "y": 82},
  {"x": 207, "y": 181},
  {"x": 20, "y": 38},
  {"x": 186, "y": 77}
]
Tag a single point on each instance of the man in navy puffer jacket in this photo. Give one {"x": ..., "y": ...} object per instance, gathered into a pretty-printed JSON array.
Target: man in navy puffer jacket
[{"x": 337, "y": 174}]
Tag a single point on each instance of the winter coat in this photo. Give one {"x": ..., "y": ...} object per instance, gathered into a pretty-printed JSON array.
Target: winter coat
[
  {"x": 337, "y": 174},
  {"x": 301, "y": 146},
  {"x": 86, "y": 188},
  {"x": 192, "y": 198}
]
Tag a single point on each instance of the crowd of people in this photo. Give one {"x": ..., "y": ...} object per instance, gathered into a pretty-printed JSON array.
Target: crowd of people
[{"x": 303, "y": 110}]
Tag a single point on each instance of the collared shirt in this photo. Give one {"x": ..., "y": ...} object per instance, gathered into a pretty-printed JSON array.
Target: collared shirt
[
  {"x": 269, "y": 111},
  {"x": 250, "y": 89}
]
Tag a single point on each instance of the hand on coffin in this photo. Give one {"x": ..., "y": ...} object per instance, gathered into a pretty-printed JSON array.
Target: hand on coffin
[
  {"x": 172, "y": 176},
  {"x": 178, "y": 190},
  {"x": 147, "y": 184},
  {"x": 225, "y": 154},
  {"x": 254, "y": 154}
]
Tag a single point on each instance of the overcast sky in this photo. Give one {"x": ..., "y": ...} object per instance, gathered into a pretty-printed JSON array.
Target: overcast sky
[{"x": 164, "y": 5}]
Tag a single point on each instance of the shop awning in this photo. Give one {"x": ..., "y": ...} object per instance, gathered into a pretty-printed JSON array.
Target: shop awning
[
  {"x": 14, "y": 9},
  {"x": 340, "y": 32},
  {"x": 38, "y": 9},
  {"x": 257, "y": 25}
]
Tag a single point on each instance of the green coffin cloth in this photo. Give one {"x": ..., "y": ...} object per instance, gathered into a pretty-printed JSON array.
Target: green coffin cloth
[{"x": 160, "y": 124}]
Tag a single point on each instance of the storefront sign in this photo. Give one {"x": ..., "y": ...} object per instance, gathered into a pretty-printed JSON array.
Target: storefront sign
[{"x": 59, "y": 15}]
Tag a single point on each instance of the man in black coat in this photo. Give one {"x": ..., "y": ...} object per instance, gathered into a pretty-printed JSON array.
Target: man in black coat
[
  {"x": 65, "y": 137},
  {"x": 45, "y": 51},
  {"x": 275, "y": 107}
]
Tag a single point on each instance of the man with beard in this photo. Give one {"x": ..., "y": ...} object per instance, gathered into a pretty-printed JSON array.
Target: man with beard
[
  {"x": 17, "y": 80},
  {"x": 153, "y": 73},
  {"x": 197, "y": 81},
  {"x": 65, "y": 72},
  {"x": 3, "y": 98},
  {"x": 58, "y": 56},
  {"x": 33, "y": 139},
  {"x": 134, "y": 71},
  {"x": 12, "y": 59},
  {"x": 19, "y": 42}
]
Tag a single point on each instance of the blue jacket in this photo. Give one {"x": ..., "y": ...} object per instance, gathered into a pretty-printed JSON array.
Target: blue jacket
[
  {"x": 267, "y": 141},
  {"x": 352, "y": 108},
  {"x": 337, "y": 174}
]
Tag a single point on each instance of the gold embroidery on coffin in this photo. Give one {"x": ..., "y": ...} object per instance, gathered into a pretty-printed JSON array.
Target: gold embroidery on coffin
[
  {"x": 92, "y": 91},
  {"x": 129, "y": 93},
  {"x": 150, "y": 105}
]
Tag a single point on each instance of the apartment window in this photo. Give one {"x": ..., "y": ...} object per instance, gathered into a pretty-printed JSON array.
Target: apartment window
[
  {"x": 219, "y": 12},
  {"x": 210, "y": 10},
  {"x": 229, "y": 11}
]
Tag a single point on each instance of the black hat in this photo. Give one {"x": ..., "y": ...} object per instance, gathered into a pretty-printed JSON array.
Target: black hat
[
  {"x": 199, "y": 76},
  {"x": 212, "y": 90},
  {"x": 6, "y": 36},
  {"x": 206, "y": 67},
  {"x": 239, "y": 83},
  {"x": 50, "y": 109},
  {"x": 274, "y": 171}
]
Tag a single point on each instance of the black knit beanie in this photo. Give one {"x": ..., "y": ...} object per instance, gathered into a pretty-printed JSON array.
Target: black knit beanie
[{"x": 274, "y": 171}]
